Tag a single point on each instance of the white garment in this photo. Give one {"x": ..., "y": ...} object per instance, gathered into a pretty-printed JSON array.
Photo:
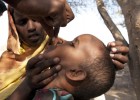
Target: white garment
[
  {"x": 102, "y": 97},
  {"x": 3, "y": 32}
]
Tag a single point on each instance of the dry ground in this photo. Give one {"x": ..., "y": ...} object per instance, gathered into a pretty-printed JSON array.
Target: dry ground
[{"x": 122, "y": 88}]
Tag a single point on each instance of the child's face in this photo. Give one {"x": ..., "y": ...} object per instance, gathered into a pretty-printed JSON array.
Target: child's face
[
  {"x": 81, "y": 59},
  {"x": 30, "y": 32},
  {"x": 74, "y": 53}
]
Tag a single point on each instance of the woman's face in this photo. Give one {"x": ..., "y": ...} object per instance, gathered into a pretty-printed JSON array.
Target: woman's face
[{"x": 30, "y": 32}]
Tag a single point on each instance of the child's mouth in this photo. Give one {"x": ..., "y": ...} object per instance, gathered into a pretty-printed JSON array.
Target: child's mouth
[
  {"x": 34, "y": 37},
  {"x": 50, "y": 48}
]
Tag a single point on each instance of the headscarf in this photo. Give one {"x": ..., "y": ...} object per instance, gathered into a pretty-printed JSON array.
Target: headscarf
[{"x": 13, "y": 76}]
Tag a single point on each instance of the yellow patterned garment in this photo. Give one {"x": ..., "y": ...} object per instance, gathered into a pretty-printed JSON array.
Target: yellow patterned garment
[{"x": 14, "y": 70}]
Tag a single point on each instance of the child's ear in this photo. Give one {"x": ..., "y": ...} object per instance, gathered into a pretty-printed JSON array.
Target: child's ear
[{"x": 76, "y": 74}]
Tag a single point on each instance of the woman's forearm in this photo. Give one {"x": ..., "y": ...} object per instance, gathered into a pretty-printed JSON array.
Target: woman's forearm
[
  {"x": 13, "y": 3},
  {"x": 23, "y": 92},
  {"x": 31, "y": 7}
]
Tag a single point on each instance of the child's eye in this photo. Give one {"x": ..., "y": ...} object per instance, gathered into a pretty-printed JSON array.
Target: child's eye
[
  {"x": 33, "y": 20},
  {"x": 72, "y": 43}
]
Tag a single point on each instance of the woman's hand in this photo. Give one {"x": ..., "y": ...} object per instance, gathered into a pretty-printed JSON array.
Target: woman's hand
[
  {"x": 54, "y": 13},
  {"x": 118, "y": 53},
  {"x": 37, "y": 76},
  {"x": 38, "y": 73}
]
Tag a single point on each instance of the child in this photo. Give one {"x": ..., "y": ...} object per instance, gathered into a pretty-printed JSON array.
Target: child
[{"x": 87, "y": 69}]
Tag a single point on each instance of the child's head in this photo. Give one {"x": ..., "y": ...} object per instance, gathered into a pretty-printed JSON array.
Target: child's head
[{"x": 87, "y": 69}]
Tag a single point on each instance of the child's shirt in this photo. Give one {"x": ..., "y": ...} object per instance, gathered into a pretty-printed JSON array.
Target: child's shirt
[{"x": 52, "y": 94}]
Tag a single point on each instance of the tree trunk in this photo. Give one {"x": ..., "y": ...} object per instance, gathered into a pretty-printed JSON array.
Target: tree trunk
[
  {"x": 109, "y": 23},
  {"x": 131, "y": 11}
]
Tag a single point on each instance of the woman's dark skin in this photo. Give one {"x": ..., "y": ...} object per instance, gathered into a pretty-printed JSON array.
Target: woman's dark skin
[
  {"x": 35, "y": 78},
  {"x": 118, "y": 53},
  {"x": 55, "y": 13}
]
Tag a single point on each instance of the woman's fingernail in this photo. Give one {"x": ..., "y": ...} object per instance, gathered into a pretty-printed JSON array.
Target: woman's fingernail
[
  {"x": 58, "y": 67},
  {"x": 112, "y": 43},
  {"x": 112, "y": 55},
  {"x": 56, "y": 59},
  {"x": 113, "y": 60},
  {"x": 114, "y": 49},
  {"x": 55, "y": 75},
  {"x": 40, "y": 56}
]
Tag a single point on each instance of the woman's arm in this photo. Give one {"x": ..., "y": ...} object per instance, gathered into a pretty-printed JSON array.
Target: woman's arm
[
  {"x": 36, "y": 77},
  {"x": 31, "y": 7},
  {"x": 52, "y": 12}
]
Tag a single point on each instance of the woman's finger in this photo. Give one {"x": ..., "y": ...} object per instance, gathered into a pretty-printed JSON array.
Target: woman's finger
[
  {"x": 118, "y": 65},
  {"x": 45, "y": 77},
  {"x": 114, "y": 44},
  {"x": 119, "y": 57},
  {"x": 46, "y": 81},
  {"x": 44, "y": 64},
  {"x": 120, "y": 49},
  {"x": 48, "y": 73},
  {"x": 33, "y": 61}
]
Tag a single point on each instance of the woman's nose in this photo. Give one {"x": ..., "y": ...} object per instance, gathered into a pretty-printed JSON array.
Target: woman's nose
[
  {"x": 69, "y": 12},
  {"x": 31, "y": 27}
]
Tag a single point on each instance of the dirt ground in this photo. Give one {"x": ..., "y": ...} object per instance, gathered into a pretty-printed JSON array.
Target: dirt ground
[{"x": 122, "y": 88}]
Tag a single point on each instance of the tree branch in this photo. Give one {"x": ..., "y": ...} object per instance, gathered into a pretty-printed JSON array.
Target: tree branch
[{"x": 109, "y": 23}]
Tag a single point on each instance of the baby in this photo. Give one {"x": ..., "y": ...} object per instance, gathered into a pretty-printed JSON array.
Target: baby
[{"x": 87, "y": 69}]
